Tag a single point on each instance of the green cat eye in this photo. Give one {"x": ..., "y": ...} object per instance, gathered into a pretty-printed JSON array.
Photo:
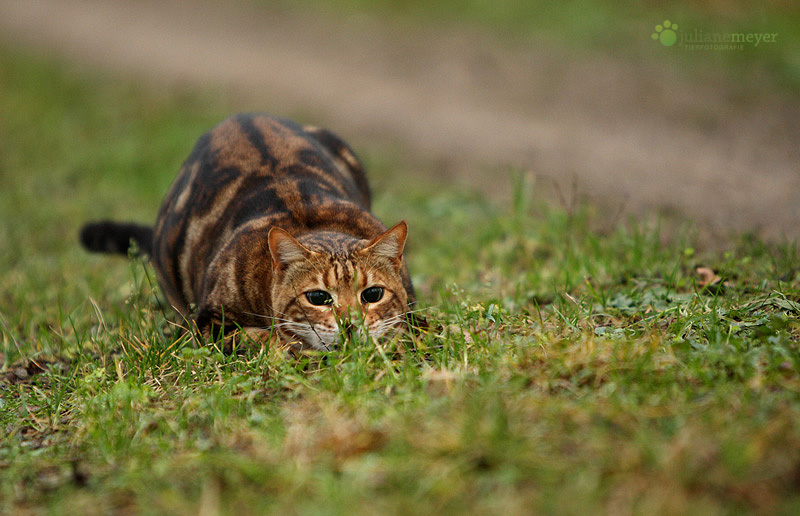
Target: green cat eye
[
  {"x": 372, "y": 294},
  {"x": 319, "y": 297}
]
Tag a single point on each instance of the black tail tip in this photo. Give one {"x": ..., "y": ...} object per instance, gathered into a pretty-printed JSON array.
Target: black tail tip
[
  {"x": 116, "y": 238},
  {"x": 94, "y": 237}
]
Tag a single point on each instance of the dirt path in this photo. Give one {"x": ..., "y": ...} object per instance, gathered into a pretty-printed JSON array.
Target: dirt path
[{"x": 624, "y": 131}]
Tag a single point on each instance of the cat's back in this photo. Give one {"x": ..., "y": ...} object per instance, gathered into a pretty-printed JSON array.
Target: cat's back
[{"x": 248, "y": 152}]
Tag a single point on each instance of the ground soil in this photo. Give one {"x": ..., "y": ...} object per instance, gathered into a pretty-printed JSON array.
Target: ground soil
[{"x": 462, "y": 105}]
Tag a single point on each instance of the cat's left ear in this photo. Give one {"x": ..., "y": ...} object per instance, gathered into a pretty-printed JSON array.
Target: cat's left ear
[
  {"x": 285, "y": 249},
  {"x": 390, "y": 244}
]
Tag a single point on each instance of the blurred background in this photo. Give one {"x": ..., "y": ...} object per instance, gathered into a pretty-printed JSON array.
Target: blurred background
[{"x": 577, "y": 95}]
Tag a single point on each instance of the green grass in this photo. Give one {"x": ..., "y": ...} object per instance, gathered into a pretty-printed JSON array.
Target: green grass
[{"x": 569, "y": 369}]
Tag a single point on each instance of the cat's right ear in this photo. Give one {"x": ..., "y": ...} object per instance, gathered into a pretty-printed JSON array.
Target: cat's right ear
[
  {"x": 285, "y": 249},
  {"x": 390, "y": 244}
]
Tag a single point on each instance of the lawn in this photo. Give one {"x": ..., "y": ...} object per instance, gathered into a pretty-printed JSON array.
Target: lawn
[{"x": 569, "y": 368}]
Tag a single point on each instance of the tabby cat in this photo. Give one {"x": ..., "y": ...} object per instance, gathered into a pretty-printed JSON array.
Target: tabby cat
[{"x": 267, "y": 229}]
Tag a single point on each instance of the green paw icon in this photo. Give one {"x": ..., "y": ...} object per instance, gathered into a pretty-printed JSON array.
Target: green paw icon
[{"x": 666, "y": 33}]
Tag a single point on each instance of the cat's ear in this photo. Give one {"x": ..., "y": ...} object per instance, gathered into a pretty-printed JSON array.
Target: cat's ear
[
  {"x": 285, "y": 249},
  {"x": 390, "y": 244}
]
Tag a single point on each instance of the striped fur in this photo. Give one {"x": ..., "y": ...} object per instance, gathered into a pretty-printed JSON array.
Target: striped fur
[{"x": 220, "y": 259}]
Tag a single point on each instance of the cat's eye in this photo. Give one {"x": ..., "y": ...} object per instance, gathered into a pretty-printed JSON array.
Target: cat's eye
[
  {"x": 372, "y": 294},
  {"x": 319, "y": 297}
]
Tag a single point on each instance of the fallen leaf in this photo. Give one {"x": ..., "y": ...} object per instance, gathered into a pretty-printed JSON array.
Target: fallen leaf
[{"x": 708, "y": 278}]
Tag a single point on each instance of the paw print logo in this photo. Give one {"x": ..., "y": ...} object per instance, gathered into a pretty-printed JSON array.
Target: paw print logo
[{"x": 666, "y": 33}]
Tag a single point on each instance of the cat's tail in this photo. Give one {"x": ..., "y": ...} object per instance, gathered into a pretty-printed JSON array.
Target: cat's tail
[{"x": 115, "y": 237}]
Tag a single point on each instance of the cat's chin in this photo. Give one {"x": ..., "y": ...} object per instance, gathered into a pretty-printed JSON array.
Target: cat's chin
[
  {"x": 268, "y": 337},
  {"x": 320, "y": 340},
  {"x": 332, "y": 341}
]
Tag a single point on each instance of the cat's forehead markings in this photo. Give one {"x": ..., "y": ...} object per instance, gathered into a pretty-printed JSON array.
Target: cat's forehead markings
[
  {"x": 330, "y": 277},
  {"x": 335, "y": 245},
  {"x": 340, "y": 271}
]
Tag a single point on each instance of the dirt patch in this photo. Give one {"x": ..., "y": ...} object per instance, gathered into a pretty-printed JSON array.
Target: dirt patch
[
  {"x": 625, "y": 130},
  {"x": 26, "y": 370}
]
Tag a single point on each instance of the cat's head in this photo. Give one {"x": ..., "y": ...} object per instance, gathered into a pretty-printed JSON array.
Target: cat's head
[{"x": 327, "y": 284}]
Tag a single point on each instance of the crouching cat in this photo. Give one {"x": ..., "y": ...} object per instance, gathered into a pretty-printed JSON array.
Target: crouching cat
[{"x": 267, "y": 229}]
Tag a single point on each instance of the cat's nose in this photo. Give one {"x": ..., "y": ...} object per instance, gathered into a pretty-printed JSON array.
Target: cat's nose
[
  {"x": 345, "y": 311},
  {"x": 342, "y": 312}
]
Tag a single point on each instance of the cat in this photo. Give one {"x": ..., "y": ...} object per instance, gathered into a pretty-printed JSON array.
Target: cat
[{"x": 267, "y": 230}]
